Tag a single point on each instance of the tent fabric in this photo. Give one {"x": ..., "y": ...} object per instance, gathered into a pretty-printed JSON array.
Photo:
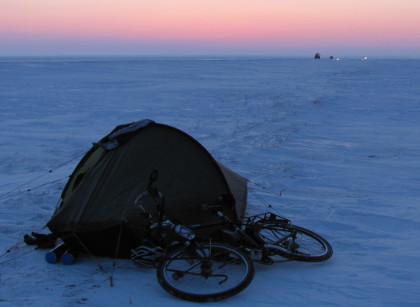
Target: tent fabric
[
  {"x": 100, "y": 193},
  {"x": 238, "y": 187}
]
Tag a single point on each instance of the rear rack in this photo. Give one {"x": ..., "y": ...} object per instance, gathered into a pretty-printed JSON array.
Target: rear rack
[{"x": 266, "y": 217}]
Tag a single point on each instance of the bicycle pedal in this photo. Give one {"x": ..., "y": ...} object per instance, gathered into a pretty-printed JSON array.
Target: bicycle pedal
[{"x": 266, "y": 260}]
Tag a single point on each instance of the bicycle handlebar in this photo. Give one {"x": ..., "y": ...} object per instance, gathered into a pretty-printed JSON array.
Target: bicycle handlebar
[
  {"x": 154, "y": 194},
  {"x": 216, "y": 209}
]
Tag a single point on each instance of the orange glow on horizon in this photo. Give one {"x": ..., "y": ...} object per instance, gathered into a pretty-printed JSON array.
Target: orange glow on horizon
[{"x": 269, "y": 21}]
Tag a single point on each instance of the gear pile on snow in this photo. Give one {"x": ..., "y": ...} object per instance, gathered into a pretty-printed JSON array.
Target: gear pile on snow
[{"x": 40, "y": 240}]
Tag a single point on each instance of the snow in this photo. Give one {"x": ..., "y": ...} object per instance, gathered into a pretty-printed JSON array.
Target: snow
[{"x": 332, "y": 145}]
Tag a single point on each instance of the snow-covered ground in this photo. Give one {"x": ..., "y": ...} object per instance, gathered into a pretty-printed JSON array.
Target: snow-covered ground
[{"x": 332, "y": 145}]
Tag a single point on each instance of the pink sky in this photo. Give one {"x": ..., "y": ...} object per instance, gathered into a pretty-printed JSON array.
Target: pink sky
[{"x": 242, "y": 27}]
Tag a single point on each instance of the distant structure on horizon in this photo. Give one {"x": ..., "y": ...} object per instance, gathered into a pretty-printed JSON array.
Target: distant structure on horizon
[{"x": 331, "y": 57}]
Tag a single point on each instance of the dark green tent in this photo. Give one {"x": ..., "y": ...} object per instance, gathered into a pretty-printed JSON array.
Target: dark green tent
[{"x": 97, "y": 210}]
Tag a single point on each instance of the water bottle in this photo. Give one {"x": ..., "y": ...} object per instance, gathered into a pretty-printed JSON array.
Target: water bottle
[
  {"x": 55, "y": 254},
  {"x": 69, "y": 256}
]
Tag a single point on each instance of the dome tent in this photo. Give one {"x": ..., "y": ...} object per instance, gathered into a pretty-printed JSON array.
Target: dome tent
[{"x": 97, "y": 211}]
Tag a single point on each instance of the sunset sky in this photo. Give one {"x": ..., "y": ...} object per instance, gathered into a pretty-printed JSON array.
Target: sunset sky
[{"x": 210, "y": 27}]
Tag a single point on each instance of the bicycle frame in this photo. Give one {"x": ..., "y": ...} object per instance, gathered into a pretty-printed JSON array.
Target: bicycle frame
[{"x": 239, "y": 233}]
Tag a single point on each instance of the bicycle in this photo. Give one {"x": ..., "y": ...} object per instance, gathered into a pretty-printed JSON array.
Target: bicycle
[
  {"x": 186, "y": 261},
  {"x": 187, "y": 268}
]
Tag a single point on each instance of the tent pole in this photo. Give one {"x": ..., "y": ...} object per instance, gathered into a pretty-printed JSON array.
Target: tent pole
[
  {"x": 118, "y": 242},
  {"x": 83, "y": 245}
]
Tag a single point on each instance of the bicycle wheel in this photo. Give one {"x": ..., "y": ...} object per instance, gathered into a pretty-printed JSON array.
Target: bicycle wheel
[
  {"x": 214, "y": 272},
  {"x": 293, "y": 242}
]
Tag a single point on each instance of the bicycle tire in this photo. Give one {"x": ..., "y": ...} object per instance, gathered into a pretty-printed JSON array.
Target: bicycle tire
[
  {"x": 293, "y": 242},
  {"x": 181, "y": 272}
]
